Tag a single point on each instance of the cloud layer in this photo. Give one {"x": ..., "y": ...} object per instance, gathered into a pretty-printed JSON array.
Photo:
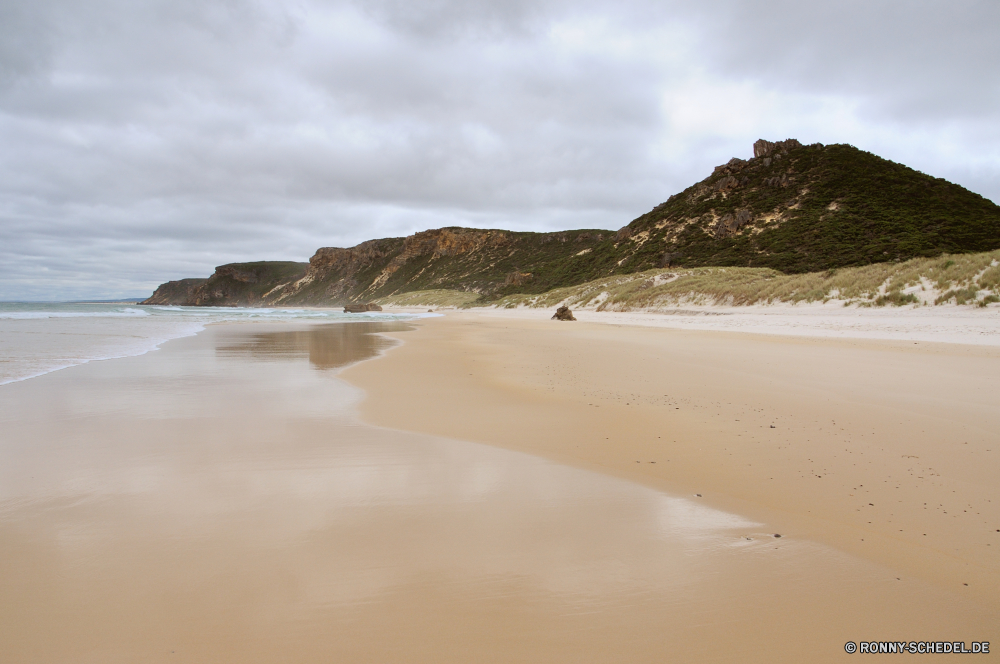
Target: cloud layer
[{"x": 146, "y": 140}]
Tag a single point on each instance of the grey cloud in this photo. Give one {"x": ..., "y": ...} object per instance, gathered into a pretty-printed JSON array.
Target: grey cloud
[
  {"x": 909, "y": 59},
  {"x": 156, "y": 139}
]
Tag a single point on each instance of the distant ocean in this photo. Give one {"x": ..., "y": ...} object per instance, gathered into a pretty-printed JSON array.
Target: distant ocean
[{"x": 36, "y": 339}]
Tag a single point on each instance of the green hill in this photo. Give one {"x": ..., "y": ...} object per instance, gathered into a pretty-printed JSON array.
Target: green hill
[{"x": 798, "y": 208}]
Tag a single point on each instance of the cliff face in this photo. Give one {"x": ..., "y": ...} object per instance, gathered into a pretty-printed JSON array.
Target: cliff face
[
  {"x": 233, "y": 285},
  {"x": 175, "y": 292},
  {"x": 489, "y": 262},
  {"x": 791, "y": 207}
]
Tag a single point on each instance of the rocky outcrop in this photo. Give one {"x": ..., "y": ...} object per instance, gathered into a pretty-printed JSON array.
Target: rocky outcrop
[
  {"x": 778, "y": 181},
  {"x": 439, "y": 243},
  {"x": 355, "y": 259},
  {"x": 175, "y": 292},
  {"x": 517, "y": 279},
  {"x": 361, "y": 308},
  {"x": 232, "y": 285},
  {"x": 731, "y": 223},
  {"x": 734, "y": 165},
  {"x": 762, "y": 148},
  {"x": 727, "y": 183},
  {"x": 563, "y": 313}
]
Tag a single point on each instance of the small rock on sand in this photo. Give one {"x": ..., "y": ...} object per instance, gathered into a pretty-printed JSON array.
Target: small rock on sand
[{"x": 563, "y": 313}]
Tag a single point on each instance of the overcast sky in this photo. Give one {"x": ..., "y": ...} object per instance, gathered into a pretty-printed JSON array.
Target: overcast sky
[{"x": 147, "y": 140}]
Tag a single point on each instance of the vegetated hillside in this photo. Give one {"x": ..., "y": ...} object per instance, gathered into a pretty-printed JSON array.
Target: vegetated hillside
[
  {"x": 972, "y": 279},
  {"x": 791, "y": 208},
  {"x": 233, "y": 285},
  {"x": 798, "y": 208},
  {"x": 489, "y": 263}
]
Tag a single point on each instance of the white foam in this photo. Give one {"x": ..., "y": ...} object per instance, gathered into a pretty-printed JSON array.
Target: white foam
[{"x": 37, "y": 315}]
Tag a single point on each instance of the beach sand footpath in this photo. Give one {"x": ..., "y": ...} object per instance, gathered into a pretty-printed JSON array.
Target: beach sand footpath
[{"x": 888, "y": 450}]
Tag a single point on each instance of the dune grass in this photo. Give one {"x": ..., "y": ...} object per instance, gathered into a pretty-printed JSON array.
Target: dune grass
[
  {"x": 961, "y": 279},
  {"x": 430, "y": 298}
]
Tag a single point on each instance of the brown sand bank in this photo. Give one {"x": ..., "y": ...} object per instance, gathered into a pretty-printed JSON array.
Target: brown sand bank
[{"x": 887, "y": 450}]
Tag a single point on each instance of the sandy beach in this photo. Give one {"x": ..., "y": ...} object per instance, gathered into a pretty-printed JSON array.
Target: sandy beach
[
  {"x": 501, "y": 488},
  {"x": 885, "y": 449}
]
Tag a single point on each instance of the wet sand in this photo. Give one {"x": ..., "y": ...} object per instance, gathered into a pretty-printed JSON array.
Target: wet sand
[
  {"x": 887, "y": 451},
  {"x": 219, "y": 500}
]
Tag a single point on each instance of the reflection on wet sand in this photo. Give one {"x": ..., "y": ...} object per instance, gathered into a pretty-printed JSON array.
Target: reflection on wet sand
[
  {"x": 327, "y": 346},
  {"x": 191, "y": 506}
]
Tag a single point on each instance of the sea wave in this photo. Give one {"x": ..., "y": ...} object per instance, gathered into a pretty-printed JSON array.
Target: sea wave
[{"x": 38, "y": 315}]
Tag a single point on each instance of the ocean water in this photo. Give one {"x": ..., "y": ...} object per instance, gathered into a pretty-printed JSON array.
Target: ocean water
[{"x": 38, "y": 338}]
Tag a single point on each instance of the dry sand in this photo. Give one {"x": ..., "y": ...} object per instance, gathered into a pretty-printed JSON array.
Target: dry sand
[{"x": 886, "y": 450}]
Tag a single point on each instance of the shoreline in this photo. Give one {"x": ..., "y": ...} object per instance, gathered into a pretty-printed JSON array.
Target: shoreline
[
  {"x": 594, "y": 396},
  {"x": 34, "y": 343}
]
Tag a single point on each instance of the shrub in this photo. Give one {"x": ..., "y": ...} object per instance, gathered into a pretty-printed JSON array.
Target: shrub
[{"x": 896, "y": 299}]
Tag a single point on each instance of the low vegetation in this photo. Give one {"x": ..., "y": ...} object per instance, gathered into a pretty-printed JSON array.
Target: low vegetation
[
  {"x": 430, "y": 298},
  {"x": 960, "y": 279}
]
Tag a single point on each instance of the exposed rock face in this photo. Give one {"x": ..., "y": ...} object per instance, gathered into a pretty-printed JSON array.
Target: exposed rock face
[
  {"x": 361, "y": 308},
  {"x": 731, "y": 167},
  {"x": 563, "y": 313},
  {"x": 731, "y": 223},
  {"x": 467, "y": 259},
  {"x": 727, "y": 183},
  {"x": 335, "y": 259},
  {"x": 245, "y": 284},
  {"x": 762, "y": 148},
  {"x": 236, "y": 284},
  {"x": 484, "y": 261},
  {"x": 667, "y": 258},
  {"x": 333, "y": 272},
  {"x": 175, "y": 292},
  {"x": 778, "y": 181},
  {"x": 517, "y": 279},
  {"x": 439, "y": 243}
]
